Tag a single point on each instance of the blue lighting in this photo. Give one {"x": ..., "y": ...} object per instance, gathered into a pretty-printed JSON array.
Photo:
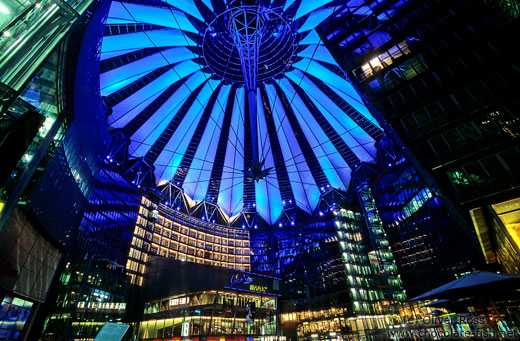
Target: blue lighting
[
  {"x": 124, "y": 13},
  {"x": 316, "y": 18},
  {"x": 307, "y": 6},
  {"x": 160, "y": 82}
]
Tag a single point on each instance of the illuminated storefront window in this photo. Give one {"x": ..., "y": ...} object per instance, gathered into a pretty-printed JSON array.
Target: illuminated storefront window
[{"x": 209, "y": 313}]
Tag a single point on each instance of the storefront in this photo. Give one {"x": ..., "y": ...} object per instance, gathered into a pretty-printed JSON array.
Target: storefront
[{"x": 206, "y": 304}]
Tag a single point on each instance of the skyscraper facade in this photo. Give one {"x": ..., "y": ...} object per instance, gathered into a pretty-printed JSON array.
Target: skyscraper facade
[
  {"x": 441, "y": 77},
  {"x": 273, "y": 170}
]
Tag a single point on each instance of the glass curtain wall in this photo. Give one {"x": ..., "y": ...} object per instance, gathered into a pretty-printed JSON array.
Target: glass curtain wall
[{"x": 30, "y": 30}]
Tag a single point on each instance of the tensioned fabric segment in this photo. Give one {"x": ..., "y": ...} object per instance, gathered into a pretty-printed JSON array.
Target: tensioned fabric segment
[
  {"x": 312, "y": 126},
  {"x": 272, "y": 146},
  {"x": 211, "y": 109},
  {"x": 307, "y": 6},
  {"x": 166, "y": 133},
  {"x": 329, "y": 158},
  {"x": 306, "y": 192},
  {"x": 121, "y": 13},
  {"x": 169, "y": 159},
  {"x": 218, "y": 164},
  {"x": 115, "y": 79},
  {"x": 268, "y": 196},
  {"x": 198, "y": 177},
  {"x": 231, "y": 191},
  {"x": 136, "y": 103}
]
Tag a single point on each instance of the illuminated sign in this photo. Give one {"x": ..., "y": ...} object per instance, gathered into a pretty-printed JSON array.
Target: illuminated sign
[
  {"x": 260, "y": 288},
  {"x": 179, "y": 301},
  {"x": 185, "y": 331},
  {"x": 101, "y": 305},
  {"x": 253, "y": 283},
  {"x": 240, "y": 279},
  {"x": 267, "y": 338}
]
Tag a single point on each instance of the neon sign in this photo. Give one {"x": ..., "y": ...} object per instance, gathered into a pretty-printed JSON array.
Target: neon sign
[{"x": 240, "y": 279}]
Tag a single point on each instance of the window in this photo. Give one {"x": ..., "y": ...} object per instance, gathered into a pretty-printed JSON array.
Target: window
[
  {"x": 468, "y": 132},
  {"x": 512, "y": 158},
  {"x": 13, "y": 315},
  {"x": 453, "y": 138},
  {"x": 439, "y": 145},
  {"x": 493, "y": 166},
  {"x": 476, "y": 173}
]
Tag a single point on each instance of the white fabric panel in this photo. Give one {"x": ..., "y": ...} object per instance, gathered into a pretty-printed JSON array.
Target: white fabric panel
[
  {"x": 356, "y": 138},
  {"x": 267, "y": 194},
  {"x": 321, "y": 145},
  {"x": 141, "y": 40},
  {"x": 197, "y": 180},
  {"x": 150, "y": 131},
  {"x": 124, "y": 111},
  {"x": 187, "y": 6},
  {"x": 170, "y": 158},
  {"x": 304, "y": 188},
  {"x": 231, "y": 193},
  {"x": 316, "y": 18},
  {"x": 318, "y": 52},
  {"x": 111, "y": 54},
  {"x": 117, "y": 78},
  {"x": 340, "y": 85},
  {"x": 307, "y": 6},
  {"x": 311, "y": 38},
  {"x": 128, "y": 13}
]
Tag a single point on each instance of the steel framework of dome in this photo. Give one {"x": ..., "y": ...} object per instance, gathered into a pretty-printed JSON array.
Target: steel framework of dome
[{"x": 233, "y": 105}]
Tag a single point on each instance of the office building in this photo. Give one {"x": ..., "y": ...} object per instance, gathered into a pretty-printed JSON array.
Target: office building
[{"x": 252, "y": 169}]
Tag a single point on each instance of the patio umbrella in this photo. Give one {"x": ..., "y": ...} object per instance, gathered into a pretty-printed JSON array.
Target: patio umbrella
[{"x": 477, "y": 283}]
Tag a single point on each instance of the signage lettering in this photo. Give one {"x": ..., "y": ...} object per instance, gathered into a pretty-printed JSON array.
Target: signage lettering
[
  {"x": 260, "y": 288},
  {"x": 179, "y": 301},
  {"x": 240, "y": 279},
  {"x": 101, "y": 305},
  {"x": 185, "y": 331}
]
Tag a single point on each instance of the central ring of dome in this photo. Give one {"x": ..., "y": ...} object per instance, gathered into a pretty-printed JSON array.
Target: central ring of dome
[{"x": 258, "y": 34}]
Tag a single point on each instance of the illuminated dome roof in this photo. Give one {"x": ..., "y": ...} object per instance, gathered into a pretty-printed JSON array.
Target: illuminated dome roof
[{"x": 174, "y": 78}]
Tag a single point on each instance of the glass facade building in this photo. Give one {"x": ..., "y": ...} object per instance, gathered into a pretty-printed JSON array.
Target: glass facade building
[
  {"x": 422, "y": 233},
  {"x": 254, "y": 170},
  {"x": 108, "y": 223},
  {"x": 89, "y": 293},
  {"x": 436, "y": 73}
]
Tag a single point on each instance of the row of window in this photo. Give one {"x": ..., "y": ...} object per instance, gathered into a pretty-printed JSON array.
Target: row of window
[
  {"x": 382, "y": 61},
  {"x": 487, "y": 171},
  {"x": 193, "y": 236},
  {"x": 446, "y": 72}
]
